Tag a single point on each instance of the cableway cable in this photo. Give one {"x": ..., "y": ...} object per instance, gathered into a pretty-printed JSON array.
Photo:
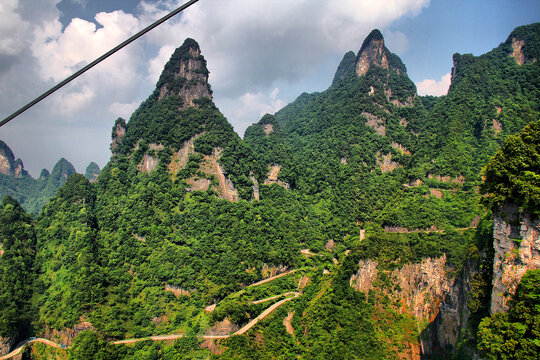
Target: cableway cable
[{"x": 97, "y": 61}]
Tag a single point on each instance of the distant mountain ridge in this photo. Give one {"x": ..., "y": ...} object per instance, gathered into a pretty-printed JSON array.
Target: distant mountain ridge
[{"x": 32, "y": 193}]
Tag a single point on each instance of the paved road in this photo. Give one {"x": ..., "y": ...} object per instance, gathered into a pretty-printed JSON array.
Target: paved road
[
  {"x": 264, "y": 314},
  {"x": 20, "y": 347},
  {"x": 243, "y": 330},
  {"x": 272, "y": 278},
  {"x": 273, "y": 297}
]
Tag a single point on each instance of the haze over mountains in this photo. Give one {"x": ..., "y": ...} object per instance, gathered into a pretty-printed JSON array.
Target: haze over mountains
[{"x": 366, "y": 198}]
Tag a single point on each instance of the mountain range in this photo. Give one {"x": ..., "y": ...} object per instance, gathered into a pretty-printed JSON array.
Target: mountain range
[{"x": 361, "y": 222}]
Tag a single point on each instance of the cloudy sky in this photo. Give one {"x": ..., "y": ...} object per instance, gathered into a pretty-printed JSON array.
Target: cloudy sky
[{"x": 261, "y": 55}]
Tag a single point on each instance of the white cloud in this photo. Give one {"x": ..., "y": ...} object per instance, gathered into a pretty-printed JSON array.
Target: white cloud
[
  {"x": 123, "y": 110},
  {"x": 72, "y": 101},
  {"x": 433, "y": 87},
  {"x": 258, "y": 103},
  {"x": 13, "y": 28},
  {"x": 155, "y": 65},
  {"x": 61, "y": 52},
  {"x": 252, "y": 47},
  {"x": 396, "y": 41}
]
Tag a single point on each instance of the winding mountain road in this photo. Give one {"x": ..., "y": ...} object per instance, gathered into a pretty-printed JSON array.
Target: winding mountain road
[
  {"x": 242, "y": 331},
  {"x": 21, "y": 345}
]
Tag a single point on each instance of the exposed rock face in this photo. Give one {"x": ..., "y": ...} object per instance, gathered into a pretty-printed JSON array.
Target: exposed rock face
[
  {"x": 149, "y": 162},
  {"x": 385, "y": 162},
  {"x": 268, "y": 128},
  {"x": 375, "y": 123},
  {"x": 6, "y": 344},
  {"x": 256, "y": 193},
  {"x": 516, "y": 240},
  {"x": 67, "y": 336},
  {"x": 272, "y": 177},
  {"x": 19, "y": 169},
  {"x": 44, "y": 175},
  {"x": 516, "y": 51},
  {"x": 497, "y": 127},
  {"x": 7, "y": 159},
  {"x": 8, "y": 164},
  {"x": 427, "y": 291},
  {"x": 372, "y": 52},
  {"x": 185, "y": 75},
  {"x": 118, "y": 132},
  {"x": 365, "y": 276},
  {"x": 211, "y": 167},
  {"x": 180, "y": 159},
  {"x": 419, "y": 288},
  {"x": 402, "y": 149}
]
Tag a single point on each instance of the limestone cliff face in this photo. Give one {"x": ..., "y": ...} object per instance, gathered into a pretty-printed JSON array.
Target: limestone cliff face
[
  {"x": 6, "y": 344},
  {"x": 67, "y": 336},
  {"x": 7, "y": 159},
  {"x": 516, "y": 241},
  {"x": 185, "y": 75},
  {"x": 150, "y": 161},
  {"x": 428, "y": 291},
  {"x": 8, "y": 164},
  {"x": 374, "y": 52},
  {"x": 92, "y": 172},
  {"x": 118, "y": 132}
]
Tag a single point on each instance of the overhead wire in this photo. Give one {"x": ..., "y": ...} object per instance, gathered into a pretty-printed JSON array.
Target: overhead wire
[{"x": 97, "y": 61}]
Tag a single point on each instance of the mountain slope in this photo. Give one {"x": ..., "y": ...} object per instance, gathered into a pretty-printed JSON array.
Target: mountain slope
[{"x": 370, "y": 245}]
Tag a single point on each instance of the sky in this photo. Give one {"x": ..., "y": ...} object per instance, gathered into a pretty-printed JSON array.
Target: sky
[{"x": 261, "y": 54}]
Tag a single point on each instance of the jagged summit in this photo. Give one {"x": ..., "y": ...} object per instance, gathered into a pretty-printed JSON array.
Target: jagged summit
[
  {"x": 185, "y": 75},
  {"x": 7, "y": 159},
  {"x": 92, "y": 172},
  {"x": 374, "y": 52},
  {"x": 8, "y": 164}
]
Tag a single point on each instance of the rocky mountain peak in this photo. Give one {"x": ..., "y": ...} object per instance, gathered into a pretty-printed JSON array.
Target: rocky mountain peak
[
  {"x": 118, "y": 132},
  {"x": 8, "y": 164},
  {"x": 7, "y": 159},
  {"x": 185, "y": 75},
  {"x": 374, "y": 52},
  {"x": 92, "y": 172},
  {"x": 18, "y": 168},
  {"x": 44, "y": 175}
]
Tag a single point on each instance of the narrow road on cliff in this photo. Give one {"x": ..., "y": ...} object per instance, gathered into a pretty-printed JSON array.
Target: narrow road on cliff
[
  {"x": 242, "y": 331},
  {"x": 21, "y": 345}
]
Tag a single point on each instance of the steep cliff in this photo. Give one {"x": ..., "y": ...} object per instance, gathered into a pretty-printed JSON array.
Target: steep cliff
[
  {"x": 7, "y": 159},
  {"x": 374, "y": 52},
  {"x": 430, "y": 291},
  {"x": 185, "y": 75},
  {"x": 516, "y": 240}
]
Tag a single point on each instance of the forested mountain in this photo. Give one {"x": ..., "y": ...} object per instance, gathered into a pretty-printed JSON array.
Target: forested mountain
[
  {"x": 31, "y": 193},
  {"x": 361, "y": 206}
]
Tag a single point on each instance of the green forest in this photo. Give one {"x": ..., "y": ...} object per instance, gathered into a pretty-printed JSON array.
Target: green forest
[{"x": 174, "y": 234}]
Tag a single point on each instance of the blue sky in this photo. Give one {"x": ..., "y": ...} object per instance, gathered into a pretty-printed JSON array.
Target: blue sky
[{"x": 261, "y": 54}]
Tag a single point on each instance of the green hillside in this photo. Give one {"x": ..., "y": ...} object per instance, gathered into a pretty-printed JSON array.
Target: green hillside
[{"x": 337, "y": 200}]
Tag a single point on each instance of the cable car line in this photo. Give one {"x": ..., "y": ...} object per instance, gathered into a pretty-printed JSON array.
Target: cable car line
[{"x": 97, "y": 61}]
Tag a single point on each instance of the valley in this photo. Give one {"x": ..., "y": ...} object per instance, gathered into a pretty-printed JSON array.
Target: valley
[{"x": 360, "y": 222}]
